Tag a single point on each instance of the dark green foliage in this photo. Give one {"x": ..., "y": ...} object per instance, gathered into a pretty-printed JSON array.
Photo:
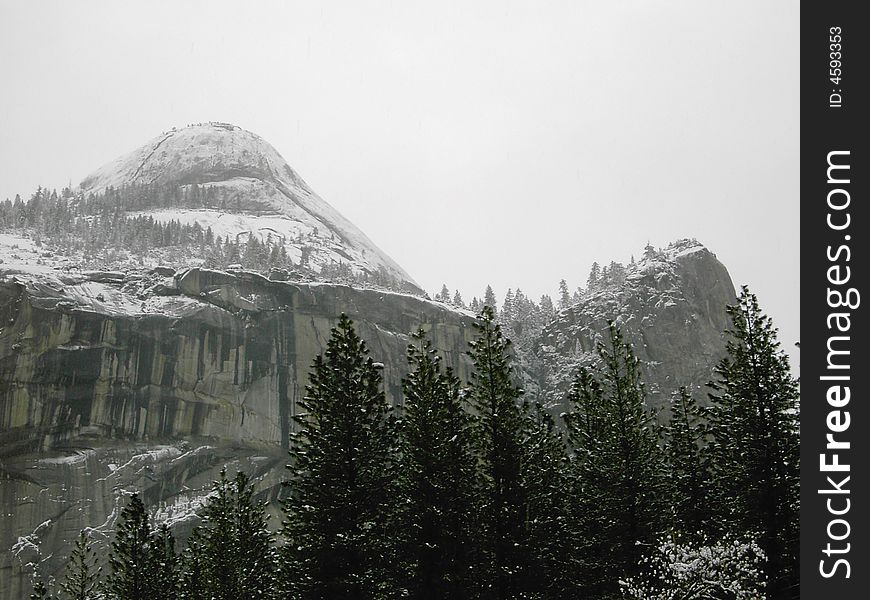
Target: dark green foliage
[
  {"x": 475, "y": 493},
  {"x": 619, "y": 467},
  {"x": 500, "y": 425},
  {"x": 754, "y": 420},
  {"x": 438, "y": 480},
  {"x": 101, "y": 228},
  {"x": 164, "y": 565},
  {"x": 40, "y": 591},
  {"x": 230, "y": 555},
  {"x": 130, "y": 561},
  {"x": 82, "y": 578},
  {"x": 552, "y": 534},
  {"x": 688, "y": 469},
  {"x": 342, "y": 491}
]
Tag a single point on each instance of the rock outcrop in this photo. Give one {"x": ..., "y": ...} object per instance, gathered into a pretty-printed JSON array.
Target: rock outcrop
[
  {"x": 245, "y": 188},
  {"x": 670, "y": 306},
  {"x": 113, "y": 382},
  {"x": 155, "y": 393}
]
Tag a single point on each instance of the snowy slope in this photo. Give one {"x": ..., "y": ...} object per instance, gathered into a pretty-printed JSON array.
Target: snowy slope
[{"x": 255, "y": 185}]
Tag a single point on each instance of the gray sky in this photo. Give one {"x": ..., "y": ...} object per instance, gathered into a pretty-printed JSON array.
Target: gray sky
[{"x": 509, "y": 143}]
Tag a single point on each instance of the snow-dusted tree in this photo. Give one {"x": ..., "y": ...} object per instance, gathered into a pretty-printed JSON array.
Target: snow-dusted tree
[
  {"x": 619, "y": 466},
  {"x": 594, "y": 276},
  {"x": 339, "y": 524},
  {"x": 130, "y": 561},
  {"x": 438, "y": 480},
  {"x": 552, "y": 535},
  {"x": 688, "y": 474},
  {"x": 489, "y": 299},
  {"x": 500, "y": 425},
  {"x": 547, "y": 307},
  {"x": 729, "y": 569},
  {"x": 457, "y": 300},
  {"x": 616, "y": 272},
  {"x": 564, "y": 296},
  {"x": 755, "y": 449},
  {"x": 41, "y": 591},
  {"x": 82, "y": 577},
  {"x": 506, "y": 314},
  {"x": 164, "y": 568},
  {"x": 230, "y": 554},
  {"x": 444, "y": 295}
]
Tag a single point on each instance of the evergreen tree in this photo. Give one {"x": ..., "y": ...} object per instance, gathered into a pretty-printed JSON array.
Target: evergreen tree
[
  {"x": 231, "y": 555},
  {"x": 594, "y": 276},
  {"x": 688, "y": 475},
  {"x": 547, "y": 308},
  {"x": 444, "y": 296},
  {"x": 500, "y": 426},
  {"x": 507, "y": 313},
  {"x": 342, "y": 492},
  {"x": 82, "y": 577},
  {"x": 130, "y": 562},
  {"x": 755, "y": 449},
  {"x": 438, "y": 478},
  {"x": 564, "y": 296},
  {"x": 164, "y": 568},
  {"x": 457, "y": 300},
  {"x": 40, "y": 591},
  {"x": 552, "y": 533},
  {"x": 489, "y": 299},
  {"x": 619, "y": 468}
]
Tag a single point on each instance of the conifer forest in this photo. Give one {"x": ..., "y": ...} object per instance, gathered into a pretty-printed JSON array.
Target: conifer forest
[{"x": 473, "y": 489}]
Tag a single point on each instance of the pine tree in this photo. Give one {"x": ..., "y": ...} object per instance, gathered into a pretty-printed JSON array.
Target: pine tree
[
  {"x": 489, "y": 299},
  {"x": 564, "y": 296},
  {"x": 82, "y": 578},
  {"x": 506, "y": 315},
  {"x": 164, "y": 567},
  {"x": 438, "y": 480},
  {"x": 552, "y": 533},
  {"x": 618, "y": 463},
  {"x": 444, "y": 296},
  {"x": 231, "y": 555},
  {"x": 500, "y": 426},
  {"x": 547, "y": 308},
  {"x": 130, "y": 576},
  {"x": 40, "y": 591},
  {"x": 755, "y": 449},
  {"x": 688, "y": 475},
  {"x": 594, "y": 277},
  {"x": 457, "y": 300},
  {"x": 339, "y": 513}
]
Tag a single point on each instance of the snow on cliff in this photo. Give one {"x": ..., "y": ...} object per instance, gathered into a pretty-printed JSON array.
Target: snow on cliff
[{"x": 258, "y": 194}]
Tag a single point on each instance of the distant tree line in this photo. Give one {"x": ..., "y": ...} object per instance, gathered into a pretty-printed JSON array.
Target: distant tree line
[
  {"x": 523, "y": 318},
  {"x": 102, "y": 229},
  {"x": 472, "y": 490}
]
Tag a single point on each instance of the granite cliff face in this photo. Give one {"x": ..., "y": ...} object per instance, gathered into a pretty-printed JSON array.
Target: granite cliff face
[
  {"x": 245, "y": 189},
  {"x": 153, "y": 381},
  {"x": 118, "y": 393},
  {"x": 670, "y": 306},
  {"x": 153, "y": 378}
]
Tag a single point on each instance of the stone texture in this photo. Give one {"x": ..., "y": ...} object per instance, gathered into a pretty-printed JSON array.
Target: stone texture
[
  {"x": 95, "y": 401},
  {"x": 148, "y": 391},
  {"x": 671, "y": 308}
]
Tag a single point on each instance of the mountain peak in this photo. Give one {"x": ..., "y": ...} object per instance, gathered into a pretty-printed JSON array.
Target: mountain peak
[{"x": 244, "y": 187}]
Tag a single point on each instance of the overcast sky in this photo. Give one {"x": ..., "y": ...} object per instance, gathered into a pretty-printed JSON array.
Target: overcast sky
[{"x": 509, "y": 143}]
